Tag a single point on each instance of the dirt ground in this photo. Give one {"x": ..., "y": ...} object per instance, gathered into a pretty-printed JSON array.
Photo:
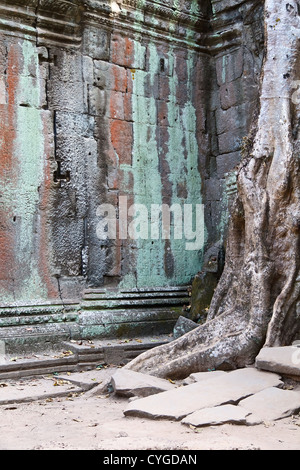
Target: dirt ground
[{"x": 96, "y": 422}]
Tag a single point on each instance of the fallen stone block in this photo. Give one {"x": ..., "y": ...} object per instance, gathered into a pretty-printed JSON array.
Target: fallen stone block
[
  {"x": 283, "y": 360},
  {"x": 182, "y": 326},
  {"x": 129, "y": 383},
  {"x": 36, "y": 389},
  {"x": 228, "y": 388},
  {"x": 272, "y": 404},
  {"x": 217, "y": 415}
]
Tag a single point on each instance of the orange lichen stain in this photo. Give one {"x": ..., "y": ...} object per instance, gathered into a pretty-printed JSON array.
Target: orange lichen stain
[
  {"x": 7, "y": 171},
  {"x": 122, "y": 139},
  {"x": 129, "y": 51}
]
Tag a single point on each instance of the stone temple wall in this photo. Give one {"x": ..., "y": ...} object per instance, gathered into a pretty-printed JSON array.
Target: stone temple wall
[{"x": 127, "y": 103}]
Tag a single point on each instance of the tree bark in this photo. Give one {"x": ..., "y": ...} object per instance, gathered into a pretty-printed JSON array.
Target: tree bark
[{"x": 255, "y": 303}]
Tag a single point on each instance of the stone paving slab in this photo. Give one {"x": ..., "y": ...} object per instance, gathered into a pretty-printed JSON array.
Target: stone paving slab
[
  {"x": 282, "y": 360},
  {"x": 178, "y": 403},
  {"x": 35, "y": 389},
  {"x": 85, "y": 379},
  {"x": 217, "y": 415},
  {"x": 198, "y": 376},
  {"x": 272, "y": 404}
]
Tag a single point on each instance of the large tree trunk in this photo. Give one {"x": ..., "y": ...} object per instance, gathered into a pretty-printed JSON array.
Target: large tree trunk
[{"x": 255, "y": 303}]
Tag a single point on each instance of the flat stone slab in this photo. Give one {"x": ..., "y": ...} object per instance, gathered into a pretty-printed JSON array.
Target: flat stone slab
[
  {"x": 85, "y": 379},
  {"x": 35, "y": 389},
  {"x": 178, "y": 403},
  {"x": 129, "y": 383},
  {"x": 271, "y": 404},
  {"x": 198, "y": 376},
  {"x": 283, "y": 360},
  {"x": 217, "y": 415}
]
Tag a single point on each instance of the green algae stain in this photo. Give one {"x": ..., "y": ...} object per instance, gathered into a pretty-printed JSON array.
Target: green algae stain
[
  {"x": 145, "y": 169},
  {"x": 182, "y": 159},
  {"x": 29, "y": 149}
]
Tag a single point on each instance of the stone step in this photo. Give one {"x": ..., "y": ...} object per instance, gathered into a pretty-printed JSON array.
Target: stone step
[
  {"x": 110, "y": 293},
  {"x": 134, "y": 298},
  {"x": 78, "y": 355},
  {"x": 94, "y": 304},
  {"x": 36, "y": 389}
]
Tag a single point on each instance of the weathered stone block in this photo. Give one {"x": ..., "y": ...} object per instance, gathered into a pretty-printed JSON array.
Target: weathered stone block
[
  {"x": 231, "y": 94},
  {"x": 110, "y": 76},
  {"x": 182, "y": 326},
  {"x": 126, "y": 52},
  {"x": 230, "y": 142},
  {"x": 96, "y": 43},
  {"x": 121, "y": 138},
  {"x": 163, "y": 87},
  {"x": 88, "y": 69},
  {"x": 232, "y": 118},
  {"x": 229, "y": 67},
  {"x": 116, "y": 105},
  {"x": 129, "y": 383},
  {"x": 283, "y": 360},
  {"x": 227, "y": 162},
  {"x": 97, "y": 100},
  {"x": 214, "y": 189},
  {"x": 66, "y": 96}
]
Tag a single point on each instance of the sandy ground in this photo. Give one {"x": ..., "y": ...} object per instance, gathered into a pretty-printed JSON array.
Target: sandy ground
[{"x": 87, "y": 422}]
